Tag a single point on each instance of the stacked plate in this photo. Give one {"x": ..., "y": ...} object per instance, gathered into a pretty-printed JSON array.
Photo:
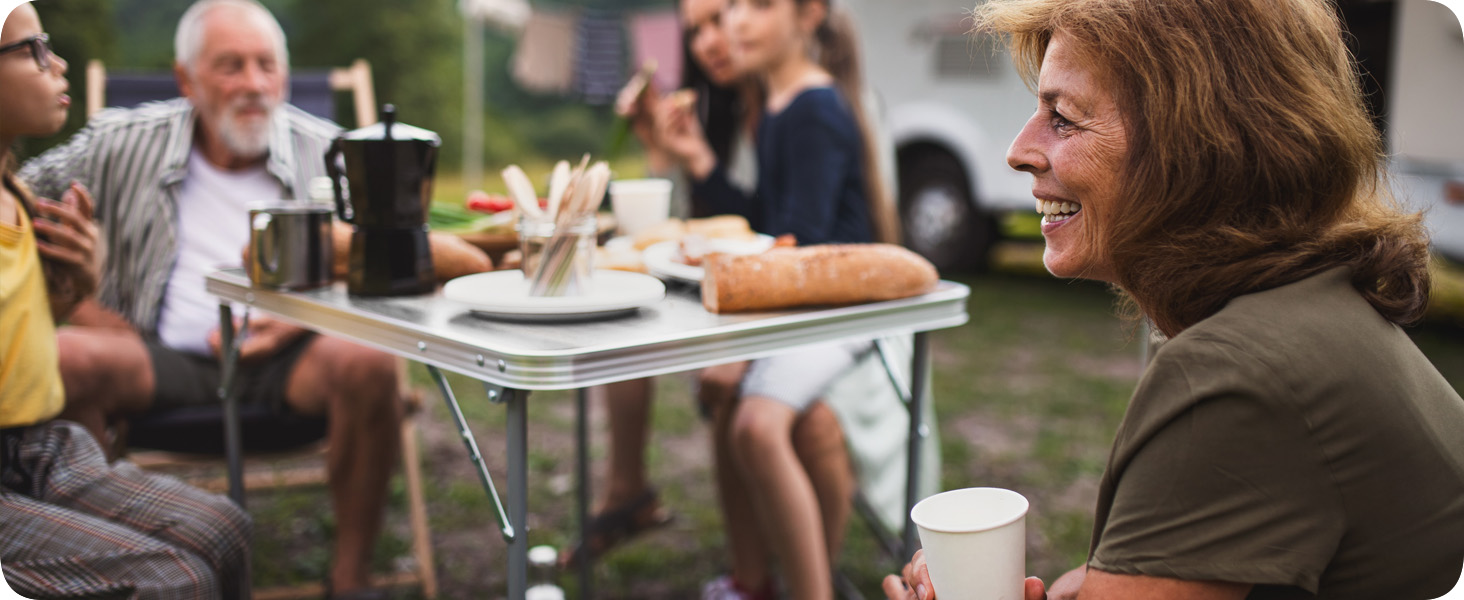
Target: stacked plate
[
  {"x": 505, "y": 295},
  {"x": 664, "y": 259}
]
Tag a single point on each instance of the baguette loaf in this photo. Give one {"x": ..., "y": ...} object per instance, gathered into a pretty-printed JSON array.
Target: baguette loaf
[{"x": 814, "y": 275}]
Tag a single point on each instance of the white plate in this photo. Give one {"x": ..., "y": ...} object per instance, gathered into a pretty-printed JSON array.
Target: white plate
[
  {"x": 662, "y": 259},
  {"x": 506, "y": 294}
]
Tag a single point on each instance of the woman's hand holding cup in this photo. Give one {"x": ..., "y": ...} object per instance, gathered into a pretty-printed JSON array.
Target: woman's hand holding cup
[
  {"x": 973, "y": 546},
  {"x": 914, "y": 583}
]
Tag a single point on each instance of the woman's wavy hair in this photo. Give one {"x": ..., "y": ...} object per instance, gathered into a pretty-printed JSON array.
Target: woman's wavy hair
[
  {"x": 1252, "y": 160},
  {"x": 720, "y": 110}
]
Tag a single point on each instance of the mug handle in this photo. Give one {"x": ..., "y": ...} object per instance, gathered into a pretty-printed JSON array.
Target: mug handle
[
  {"x": 333, "y": 169},
  {"x": 267, "y": 261}
]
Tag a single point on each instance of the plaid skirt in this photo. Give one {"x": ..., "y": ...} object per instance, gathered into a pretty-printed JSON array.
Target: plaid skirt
[{"x": 73, "y": 526}]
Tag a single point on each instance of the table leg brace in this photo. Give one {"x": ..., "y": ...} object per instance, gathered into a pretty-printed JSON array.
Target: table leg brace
[{"x": 477, "y": 457}]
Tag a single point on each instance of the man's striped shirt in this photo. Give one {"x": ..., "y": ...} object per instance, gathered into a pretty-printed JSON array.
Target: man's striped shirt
[{"x": 134, "y": 162}]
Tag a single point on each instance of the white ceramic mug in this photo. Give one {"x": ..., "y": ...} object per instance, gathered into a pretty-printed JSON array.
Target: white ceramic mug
[
  {"x": 975, "y": 542},
  {"x": 640, "y": 203}
]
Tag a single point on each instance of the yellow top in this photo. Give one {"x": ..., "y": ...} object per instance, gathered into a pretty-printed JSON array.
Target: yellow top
[{"x": 30, "y": 378}]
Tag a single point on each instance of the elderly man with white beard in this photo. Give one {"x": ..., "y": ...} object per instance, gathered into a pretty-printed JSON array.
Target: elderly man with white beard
[{"x": 172, "y": 182}]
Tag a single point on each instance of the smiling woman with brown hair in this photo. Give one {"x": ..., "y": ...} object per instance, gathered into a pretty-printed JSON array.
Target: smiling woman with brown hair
[
  {"x": 1213, "y": 159},
  {"x": 1253, "y": 157}
]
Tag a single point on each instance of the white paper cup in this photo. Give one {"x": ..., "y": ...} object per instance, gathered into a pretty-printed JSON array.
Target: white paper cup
[
  {"x": 640, "y": 203},
  {"x": 975, "y": 542}
]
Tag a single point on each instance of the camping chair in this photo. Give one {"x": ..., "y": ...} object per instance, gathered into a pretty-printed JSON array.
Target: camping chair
[
  {"x": 285, "y": 451},
  {"x": 188, "y": 437},
  {"x": 311, "y": 90}
]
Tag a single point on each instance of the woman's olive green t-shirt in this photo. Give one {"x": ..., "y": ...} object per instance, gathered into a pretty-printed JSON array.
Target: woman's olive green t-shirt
[{"x": 1297, "y": 441}]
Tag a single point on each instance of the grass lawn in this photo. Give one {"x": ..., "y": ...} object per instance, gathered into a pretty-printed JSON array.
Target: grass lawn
[{"x": 1028, "y": 395}]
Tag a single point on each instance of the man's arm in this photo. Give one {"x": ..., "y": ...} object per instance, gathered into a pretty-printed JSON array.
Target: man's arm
[{"x": 91, "y": 313}]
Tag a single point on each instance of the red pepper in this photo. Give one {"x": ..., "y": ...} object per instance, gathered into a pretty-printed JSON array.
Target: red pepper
[{"x": 489, "y": 204}]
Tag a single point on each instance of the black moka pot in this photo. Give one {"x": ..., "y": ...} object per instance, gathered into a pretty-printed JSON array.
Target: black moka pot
[{"x": 389, "y": 168}]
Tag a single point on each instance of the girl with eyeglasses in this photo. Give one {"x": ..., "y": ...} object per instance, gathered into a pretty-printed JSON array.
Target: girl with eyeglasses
[
  {"x": 64, "y": 509},
  {"x": 33, "y": 103}
]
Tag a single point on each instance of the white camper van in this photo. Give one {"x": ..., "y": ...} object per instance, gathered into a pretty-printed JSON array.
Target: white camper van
[
  {"x": 953, "y": 102},
  {"x": 1425, "y": 123}
]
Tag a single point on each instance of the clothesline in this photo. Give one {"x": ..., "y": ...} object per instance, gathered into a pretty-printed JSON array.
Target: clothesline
[{"x": 584, "y": 51}]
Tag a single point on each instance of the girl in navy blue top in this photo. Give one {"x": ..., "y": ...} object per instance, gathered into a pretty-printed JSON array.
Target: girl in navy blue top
[
  {"x": 816, "y": 181},
  {"x": 815, "y": 159},
  {"x": 811, "y": 176}
]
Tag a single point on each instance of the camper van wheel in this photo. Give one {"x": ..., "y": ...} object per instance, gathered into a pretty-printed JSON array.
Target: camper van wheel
[{"x": 941, "y": 221}]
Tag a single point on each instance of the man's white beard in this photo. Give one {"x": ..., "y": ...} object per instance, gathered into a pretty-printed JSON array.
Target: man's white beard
[{"x": 247, "y": 140}]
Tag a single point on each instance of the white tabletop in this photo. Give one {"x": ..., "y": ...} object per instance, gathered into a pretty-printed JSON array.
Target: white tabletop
[{"x": 676, "y": 334}]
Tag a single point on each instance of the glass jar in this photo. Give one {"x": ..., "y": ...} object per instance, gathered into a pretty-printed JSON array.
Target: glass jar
[{"x": 557, "y": 263}]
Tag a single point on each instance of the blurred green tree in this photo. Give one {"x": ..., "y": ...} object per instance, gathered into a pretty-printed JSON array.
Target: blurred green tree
[{"x": 415, "y": 49}]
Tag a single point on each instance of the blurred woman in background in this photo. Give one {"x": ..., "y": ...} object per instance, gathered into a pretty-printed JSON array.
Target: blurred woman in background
[
  {"x": 817, "y": 180},
  {"x": 726, "y": 108}
]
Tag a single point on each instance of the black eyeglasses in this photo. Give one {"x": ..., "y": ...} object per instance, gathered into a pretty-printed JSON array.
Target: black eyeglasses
[{"x": 40, "y": 46}]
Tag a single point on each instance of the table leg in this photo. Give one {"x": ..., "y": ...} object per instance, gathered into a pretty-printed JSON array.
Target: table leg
[
  {"x": 233, "y": 445},
  {"x": 228, "y": 360},
  {"x": 504, "y": 525},
  {"x": 889, "y": 541},
  {"x": 582, "y": 473},
  {"x": 918, "y": 433},
  {"x": 518, "y": 492}
]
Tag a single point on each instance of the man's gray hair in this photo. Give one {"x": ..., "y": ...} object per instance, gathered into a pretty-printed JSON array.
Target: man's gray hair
[{"x": 188, "y": 41}]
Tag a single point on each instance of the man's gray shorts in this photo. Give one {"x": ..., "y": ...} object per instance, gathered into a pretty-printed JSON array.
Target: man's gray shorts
[{"x": 187, "y": 379}]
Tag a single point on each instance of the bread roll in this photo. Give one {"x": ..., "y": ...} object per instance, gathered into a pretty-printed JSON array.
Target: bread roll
[
  {"x": 682, "y": 99},
  {"x": 625, "y": 259},
  {"x": 670, "y": 229},
  {"x": 814, "y": 275},
  {"x": 454, "y": 257},
  {"x": 340, "y": 241},
  {"x": 725, "y": 227}
]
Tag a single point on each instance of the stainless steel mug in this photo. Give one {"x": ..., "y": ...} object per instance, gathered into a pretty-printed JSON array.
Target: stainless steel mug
[{"x": 290, "y": 246}]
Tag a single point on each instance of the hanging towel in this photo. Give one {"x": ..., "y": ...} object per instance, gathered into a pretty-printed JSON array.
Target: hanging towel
[
  {"x": 544, "y": 61},
  {"x": 657, "y": 36},
  {"x": 600, "y": 56},
  {"x": 509, "y": 16}
]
